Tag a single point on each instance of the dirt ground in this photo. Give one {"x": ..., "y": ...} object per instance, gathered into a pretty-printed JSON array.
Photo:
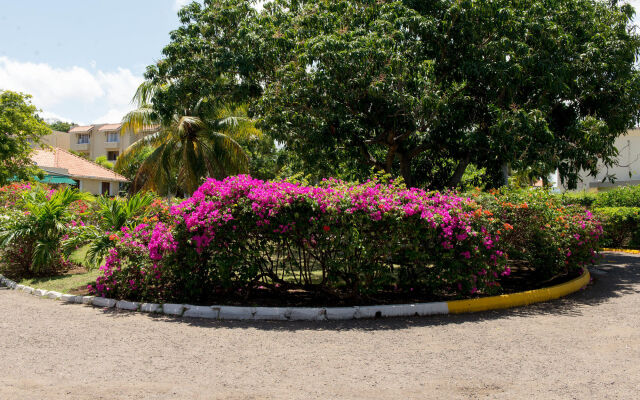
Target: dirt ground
[{"x": 586, "y": 346}]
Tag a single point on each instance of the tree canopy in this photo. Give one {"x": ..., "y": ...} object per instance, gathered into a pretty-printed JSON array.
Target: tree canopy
[
  {"x": 417, "y": 88},
  {"x": 61, "y": 126},
  {"x": 20, "y": 126}
]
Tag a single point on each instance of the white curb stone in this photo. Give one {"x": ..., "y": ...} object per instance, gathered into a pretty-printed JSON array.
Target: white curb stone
[
  {"x": 270, "y": 313},
  {"x": 11, "y": 284},
  {"x": 28, "y": 290},
  {"x": 54, "y": 295},
  {"x": 202, "y": 312},
  {"x": 68, "y": 298},
  {"x": 151, "y": 308},
  {"x": 19, "y": 287},
  {"x": 103, "y": 302},
  {"x": 400, "y": 310},
  {"x": 40, "y": 292},
  {"x": 339, "y": 313},
  {"x": 232, "y": 312},
  {"x": 306, "y": 314},
  {"x": 128, "y": 305},
  {"x": 173, "y": 309},
  {"x": 440, "y": 307},
  {"x": 87, "y": 299}
]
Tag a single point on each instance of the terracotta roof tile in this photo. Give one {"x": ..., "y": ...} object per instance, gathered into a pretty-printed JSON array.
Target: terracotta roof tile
[
  {"x": 78, "y": 167},
  {"x": 109, "y": 127},
  {"x": 81, "y": 129}
]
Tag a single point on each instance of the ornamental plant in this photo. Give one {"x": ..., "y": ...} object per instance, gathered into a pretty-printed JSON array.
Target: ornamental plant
[
  {"x": 31, "y": 240},
  {"x": 539, "y": 232},
  {"x": 340, "y": 239}
]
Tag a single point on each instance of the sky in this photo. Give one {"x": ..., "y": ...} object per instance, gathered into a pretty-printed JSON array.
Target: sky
[{"x": 82, "y": 60}]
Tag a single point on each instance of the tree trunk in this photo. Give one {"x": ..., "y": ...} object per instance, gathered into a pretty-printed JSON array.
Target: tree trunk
[
  {"x": 405, "y": 169},
  {"x": 457, "y": 174},
  {"x": 505, "y": 174}
]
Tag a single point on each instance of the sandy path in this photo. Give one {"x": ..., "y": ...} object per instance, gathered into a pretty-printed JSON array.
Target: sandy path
[{"x": 583, "y": 347}]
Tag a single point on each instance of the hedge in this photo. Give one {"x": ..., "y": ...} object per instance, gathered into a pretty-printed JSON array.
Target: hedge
[
  {"x": 348, "y": 241},
  {"x": 621, "y": 226}
]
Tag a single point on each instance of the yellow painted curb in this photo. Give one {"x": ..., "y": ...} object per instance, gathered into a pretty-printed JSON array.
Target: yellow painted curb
[
  {"x": 630, "y": 251},
  {"x": 521, "y": 298}
]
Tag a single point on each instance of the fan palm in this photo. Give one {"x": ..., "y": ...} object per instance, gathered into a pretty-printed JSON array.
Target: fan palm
[{"x": 186, "y": 147}]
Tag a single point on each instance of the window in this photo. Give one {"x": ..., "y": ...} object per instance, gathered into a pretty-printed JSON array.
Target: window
[
  {"x": 113, "y": 137},
  {"x": 112, "y": 155},
  {"x": 83, "y": 138}
]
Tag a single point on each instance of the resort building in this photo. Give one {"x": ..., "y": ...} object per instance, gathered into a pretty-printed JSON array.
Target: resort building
[
  {"x": 57, "y": 139},
  {"x": 101, "y": 140},
  {"x": 62, "y": 167}
]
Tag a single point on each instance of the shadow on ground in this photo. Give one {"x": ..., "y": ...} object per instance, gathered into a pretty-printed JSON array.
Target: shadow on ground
[{"x": 617, "y": 275}]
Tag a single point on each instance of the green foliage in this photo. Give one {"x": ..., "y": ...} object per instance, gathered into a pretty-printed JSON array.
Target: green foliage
[
  {"x": 197, "y": 140},
  {"x": 102, "y": 161},
  {"x": 625, "y": 196},
  {"x": 583, "y": 199},
  {"x": 61, "y": 126},
  {"x": 266, "y": 161},
  {"x": 19, "y": 127},
  {"x": 129, "y": 166},
  {"x": 112, "y": 215},
  {"x": 80, "y": 154},
  {"x": 418, "y": 89},
  {"x": 32, "y": 239},
  {"x": 540, "y": 232},
  {"x": 621, "y": 226}
]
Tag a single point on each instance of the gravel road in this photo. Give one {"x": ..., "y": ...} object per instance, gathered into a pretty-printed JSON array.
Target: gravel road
[{"x": 586, "y": 346}]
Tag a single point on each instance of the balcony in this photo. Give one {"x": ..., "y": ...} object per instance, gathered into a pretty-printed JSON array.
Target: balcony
[
  {"x": 111, "y": 145},
  {"x": 80, "y": 146}
]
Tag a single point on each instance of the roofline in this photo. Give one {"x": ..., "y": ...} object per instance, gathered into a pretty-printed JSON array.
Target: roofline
[{"x": 116, "y": 178}]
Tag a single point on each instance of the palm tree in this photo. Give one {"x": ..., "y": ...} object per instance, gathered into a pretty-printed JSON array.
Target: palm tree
[{"x": 194, "y": 143}]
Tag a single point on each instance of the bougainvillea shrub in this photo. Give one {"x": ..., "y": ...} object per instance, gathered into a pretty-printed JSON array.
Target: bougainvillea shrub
[
  {"x": 349, "y": 241},
  {"x": 542, "y": 233},
  {"x": 336, "y": 238}
]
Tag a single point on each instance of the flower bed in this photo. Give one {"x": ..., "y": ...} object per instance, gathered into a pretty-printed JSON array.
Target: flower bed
[{"x": 244, "y": 238}]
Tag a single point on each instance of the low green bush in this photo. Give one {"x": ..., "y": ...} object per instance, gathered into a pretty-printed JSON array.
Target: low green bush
[
  {"x": 621, "y": 226},
  {"x": 625, "y": 196},
  {"x": 583, "y": 199}
]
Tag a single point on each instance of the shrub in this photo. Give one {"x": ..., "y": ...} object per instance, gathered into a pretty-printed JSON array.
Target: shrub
[
  {"x": 541, "y": 233},
  {"x": 625, "y": 196},
  {"x": 31, "y": 240},
  {"x": 581, "y": 199},
  {"x": 621, "y": 226},
  {"x": 344, "y": 240}
]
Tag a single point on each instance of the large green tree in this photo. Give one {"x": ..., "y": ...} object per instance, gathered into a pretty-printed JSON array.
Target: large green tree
[
  {"x": 417, "y": 88},
  {"x": 20, "y": 126}
]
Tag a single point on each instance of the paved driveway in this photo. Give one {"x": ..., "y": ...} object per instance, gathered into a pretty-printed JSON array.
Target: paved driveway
[{"x": 586, "y": 346}]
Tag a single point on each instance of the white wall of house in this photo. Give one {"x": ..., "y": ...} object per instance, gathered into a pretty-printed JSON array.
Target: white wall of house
[
  {"x": 626, "y": 172},
  {"x": 94, "y": 186}
]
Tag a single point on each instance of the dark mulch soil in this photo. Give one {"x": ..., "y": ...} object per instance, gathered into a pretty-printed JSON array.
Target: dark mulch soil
[{"x": 521, "y": 279}]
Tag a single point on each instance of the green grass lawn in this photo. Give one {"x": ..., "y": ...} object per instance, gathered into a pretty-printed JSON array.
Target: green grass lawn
[
  {"x": 72, "y": 283},
  {"x": 68, "y": 283}
]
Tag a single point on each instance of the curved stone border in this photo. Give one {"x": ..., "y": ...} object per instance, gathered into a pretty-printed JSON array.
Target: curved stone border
[
  {"x": 321, "y": 313},
  {"x": 630, "y": 251}
]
